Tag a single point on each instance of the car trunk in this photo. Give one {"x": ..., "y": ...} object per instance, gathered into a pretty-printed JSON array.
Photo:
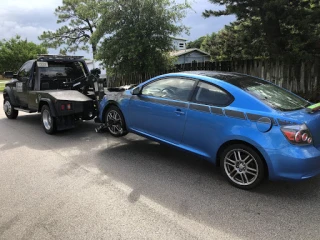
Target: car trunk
[{"x": 312, "y": 120}]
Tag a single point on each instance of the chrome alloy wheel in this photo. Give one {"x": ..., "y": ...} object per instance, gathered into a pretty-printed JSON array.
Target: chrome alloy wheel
[
  {"x": 46, "y": 119},
  {"x": 241, "y": 167},
  {"x": 114, "y": 122},
  {"x": 7, "y": 107}
]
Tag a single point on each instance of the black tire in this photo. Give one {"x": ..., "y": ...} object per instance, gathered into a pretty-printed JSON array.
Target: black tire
[
  {"x": 246, "y": 171},
  {"x": 115, "y": 122},
  {"x": 10, "y": 112},
  {"x": 47, "y": 120}
]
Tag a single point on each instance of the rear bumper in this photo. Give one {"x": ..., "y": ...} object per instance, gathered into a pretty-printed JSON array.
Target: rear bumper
[
  {"x": 84, "y": 110},
  {"x": 293, "y": 163}
]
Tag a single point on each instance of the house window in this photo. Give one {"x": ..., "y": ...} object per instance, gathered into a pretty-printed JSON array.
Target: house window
[{"x": 181, "y": 45}]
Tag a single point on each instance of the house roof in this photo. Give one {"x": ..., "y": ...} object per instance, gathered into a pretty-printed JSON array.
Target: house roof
[
  {"x": 178, "y": 38},
  {"x": 186, "y": 51}
]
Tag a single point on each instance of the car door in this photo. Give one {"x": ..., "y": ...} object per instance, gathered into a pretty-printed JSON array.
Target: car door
[
  {"x": 161, "y": 108},
  {"x": 205, "y": 121},
  {"x": 24, "y": 75}
]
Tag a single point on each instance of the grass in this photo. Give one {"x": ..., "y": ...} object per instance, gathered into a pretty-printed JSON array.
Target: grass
[{"x": 2, "y": 83}]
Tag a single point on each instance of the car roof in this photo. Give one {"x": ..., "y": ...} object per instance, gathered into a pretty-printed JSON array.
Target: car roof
[{"x": 225, "y": 76}]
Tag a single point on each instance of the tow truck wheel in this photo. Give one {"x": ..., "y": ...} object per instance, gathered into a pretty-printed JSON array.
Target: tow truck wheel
[
  {"x": 48, "y": 122},
  {"x": 115, "y": 122},
  {"x": 10, "y": 112}
]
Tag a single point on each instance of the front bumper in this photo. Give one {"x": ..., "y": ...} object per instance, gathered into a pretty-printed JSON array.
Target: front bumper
[{"x": 293, "y": 162}]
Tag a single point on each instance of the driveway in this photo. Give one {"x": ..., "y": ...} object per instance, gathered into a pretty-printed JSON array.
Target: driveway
[{"x": 79, "y": 184}]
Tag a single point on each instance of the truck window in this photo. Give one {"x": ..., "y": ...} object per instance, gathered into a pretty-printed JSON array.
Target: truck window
[
  {"x": 68, "y": 70},
  {"x": 25, "y": 70},
  {"x": 56, "y": 73}
]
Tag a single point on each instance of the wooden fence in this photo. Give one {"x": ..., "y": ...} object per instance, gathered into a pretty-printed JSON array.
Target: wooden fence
[{"x": 301, "y": 78}]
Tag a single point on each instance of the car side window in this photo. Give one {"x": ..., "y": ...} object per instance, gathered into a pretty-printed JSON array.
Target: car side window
[
  {"x": 170, "y": 88},
  {"x": 211, "y": 95}
]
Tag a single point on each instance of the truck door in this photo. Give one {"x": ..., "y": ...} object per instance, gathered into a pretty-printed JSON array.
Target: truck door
[
  {"x": 24, "y": 76},
  {"x": 32, "y": 89}
]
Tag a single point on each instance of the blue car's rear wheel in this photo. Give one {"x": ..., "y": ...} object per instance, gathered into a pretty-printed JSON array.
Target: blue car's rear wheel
[
  {"x": 242, "y": 166},
  {"x": 115, "y": 122}
]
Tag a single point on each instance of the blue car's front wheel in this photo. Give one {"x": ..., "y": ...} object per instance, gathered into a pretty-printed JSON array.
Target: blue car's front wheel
[
  {"x": 242, "y": 166},
  {"x": 115, "y": 122}
]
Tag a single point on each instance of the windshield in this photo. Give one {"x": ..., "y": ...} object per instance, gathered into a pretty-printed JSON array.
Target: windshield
[{"x": 274, "y": 96}]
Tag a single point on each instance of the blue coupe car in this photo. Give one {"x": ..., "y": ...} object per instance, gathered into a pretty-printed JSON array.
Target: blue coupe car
[{"x": 249, "y": 127}]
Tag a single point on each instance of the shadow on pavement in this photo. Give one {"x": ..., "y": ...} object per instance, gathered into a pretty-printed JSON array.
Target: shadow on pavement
[{"x": 192, "y": 187}]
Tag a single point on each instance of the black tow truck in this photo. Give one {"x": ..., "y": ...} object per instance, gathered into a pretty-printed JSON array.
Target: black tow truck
[{"x": 61, "y": 88}]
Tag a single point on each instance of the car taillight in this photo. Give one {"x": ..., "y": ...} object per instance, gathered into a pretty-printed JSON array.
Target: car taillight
[
  {"x": 66, "y": 106},
  {"x": 297, "y": 134}
]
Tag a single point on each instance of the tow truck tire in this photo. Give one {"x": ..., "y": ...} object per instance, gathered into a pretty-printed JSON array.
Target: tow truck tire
[
  {"x": 48, "y": 122},
  {"x": 115, "y": 122},
  {"x": 10, "y": 112}
]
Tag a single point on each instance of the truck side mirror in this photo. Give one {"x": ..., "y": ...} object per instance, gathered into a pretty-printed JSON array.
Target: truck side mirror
[
  {"x": 136, "y": 91},
  {"x": 8, "y": 74}
]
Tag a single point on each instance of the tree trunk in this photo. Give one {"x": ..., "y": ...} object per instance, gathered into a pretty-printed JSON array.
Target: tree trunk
[{"x": 94, "y": 51}]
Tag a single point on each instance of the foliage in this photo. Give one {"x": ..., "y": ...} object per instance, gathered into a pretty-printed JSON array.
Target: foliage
[
  {"x": 196, "y": 43},
  {"x": 139, "y": 34},
  {"x": 80, "y": 18},
  {"x": 232, "y": 41},
  {"x": 284, "y": 28},
  {"x": 15, "y": 51}
]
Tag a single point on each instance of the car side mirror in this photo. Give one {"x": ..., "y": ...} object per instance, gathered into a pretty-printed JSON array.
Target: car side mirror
[
  {"x": 136, "y": 91},
  {"x": 8, "y": 74}
]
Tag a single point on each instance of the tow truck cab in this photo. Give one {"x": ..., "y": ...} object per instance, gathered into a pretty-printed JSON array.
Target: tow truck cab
[{"x": 62, "y": 83}]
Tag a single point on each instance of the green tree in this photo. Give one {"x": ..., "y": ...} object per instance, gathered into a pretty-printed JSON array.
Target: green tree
[
  {"x": 80, "y": 18},
  {"x": 235, "y": 42},
  {"x": 196, "y": 43},
  {"x": 287, "y": 28},
  {"x": 15, "y": 51},
  {"x": 138, "y": 34}
]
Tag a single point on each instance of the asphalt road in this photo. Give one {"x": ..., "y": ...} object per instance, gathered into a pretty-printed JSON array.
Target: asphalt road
[{"x": 79, "y": 184}]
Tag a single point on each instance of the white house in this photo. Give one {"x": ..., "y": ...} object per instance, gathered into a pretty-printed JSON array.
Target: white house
[
  {"x": 179, "y": 43},
  {"x": 185, "y": 55},
  {"x": 191, "y": 55}
]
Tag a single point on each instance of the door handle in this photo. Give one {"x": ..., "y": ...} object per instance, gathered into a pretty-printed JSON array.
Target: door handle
[{"x": 179, "y": 112}]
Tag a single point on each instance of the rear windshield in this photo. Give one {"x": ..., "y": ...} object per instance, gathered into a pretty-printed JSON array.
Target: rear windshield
[
  {"x": 274, "y": 96},
  {"x": 66, "y": 70}
]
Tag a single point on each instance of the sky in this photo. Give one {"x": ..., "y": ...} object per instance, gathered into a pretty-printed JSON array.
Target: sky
[{"x": 29, "y": 18}]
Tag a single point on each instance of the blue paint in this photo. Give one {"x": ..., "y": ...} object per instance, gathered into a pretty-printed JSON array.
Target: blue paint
[{"x": 204, "y": 132}]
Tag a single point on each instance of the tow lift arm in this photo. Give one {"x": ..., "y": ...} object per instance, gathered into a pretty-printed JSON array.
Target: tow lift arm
[{"x": 96, "y": 83}]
